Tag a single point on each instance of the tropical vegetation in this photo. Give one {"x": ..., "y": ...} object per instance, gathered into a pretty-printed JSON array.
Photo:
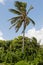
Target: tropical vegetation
[
  {"x": 21, "y": 50},
  {"x": 11, "y": 52}
]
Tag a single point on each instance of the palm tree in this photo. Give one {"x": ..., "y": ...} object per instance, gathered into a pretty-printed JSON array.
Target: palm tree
[{"x": 22, "y": 18}]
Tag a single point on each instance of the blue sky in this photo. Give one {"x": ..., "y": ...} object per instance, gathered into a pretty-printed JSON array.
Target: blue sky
[{"x": 36, "y": 14}]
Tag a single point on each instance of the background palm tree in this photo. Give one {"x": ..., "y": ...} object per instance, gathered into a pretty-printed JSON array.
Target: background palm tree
[{"x": 22, "y": 18}]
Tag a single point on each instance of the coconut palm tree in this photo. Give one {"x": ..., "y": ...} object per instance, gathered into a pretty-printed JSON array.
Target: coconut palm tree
[{"x": 21, "y": 18}]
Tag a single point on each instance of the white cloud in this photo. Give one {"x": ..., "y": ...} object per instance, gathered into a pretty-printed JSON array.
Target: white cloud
[
  {"x": 1, "y": 36},
  {"x": 38, "y": 34},
  {"x": 2, "y": 2}
]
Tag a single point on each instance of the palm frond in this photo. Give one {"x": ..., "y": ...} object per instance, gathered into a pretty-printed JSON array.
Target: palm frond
[
  {"x": 18, "y": 3},
  {"x": 14, "y": 19},
  {"x": 32, "y": 21},
  {"x": 21, "y": 6},
  {"x": 12, "y": 26},
  {"x": 19, "y": 24},
  {"x": 15, "y": 11},
  {"x": 31, "y": 7}
]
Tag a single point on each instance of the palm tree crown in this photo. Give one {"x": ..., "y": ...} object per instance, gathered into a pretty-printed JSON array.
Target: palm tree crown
[{"x": 22, "y": 16}]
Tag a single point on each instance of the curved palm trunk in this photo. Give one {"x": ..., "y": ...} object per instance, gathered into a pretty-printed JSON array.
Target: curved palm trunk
[{"x": 23, "y": 38}]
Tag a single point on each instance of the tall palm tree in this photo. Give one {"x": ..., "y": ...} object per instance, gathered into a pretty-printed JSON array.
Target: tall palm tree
[{"x": 22, "y": 18}]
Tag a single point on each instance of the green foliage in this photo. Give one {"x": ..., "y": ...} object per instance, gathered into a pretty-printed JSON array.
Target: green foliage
[
  {"x": 21, "y": 63},
  {"x": 20, "y": 5},
  {"x": 11, "y": 52}
]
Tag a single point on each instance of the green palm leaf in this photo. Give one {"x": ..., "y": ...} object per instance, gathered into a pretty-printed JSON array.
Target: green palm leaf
[
  {"x": 12, "y": 26},
  {"x": 15, "y": 11},
  {"x": 14, "y": 19},
  {"x": 31, "y": 7},
  {"x": 21, "y": 6},
  {"x": 19, "y": 24},
  {"x": 32, "y": 21}
]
